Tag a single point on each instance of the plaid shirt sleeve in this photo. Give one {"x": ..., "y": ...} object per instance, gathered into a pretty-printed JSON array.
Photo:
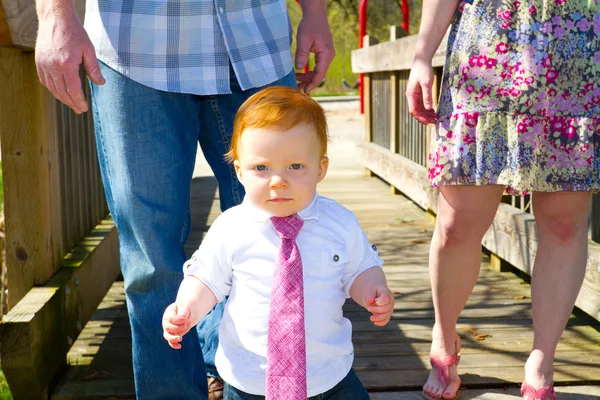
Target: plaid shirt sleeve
[{"x": 187, "y": 46}]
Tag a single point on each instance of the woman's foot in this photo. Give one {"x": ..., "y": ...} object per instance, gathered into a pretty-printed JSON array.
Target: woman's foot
[
  {"x": 538, "y": 384},
  {"x": 442, "y": 384}
]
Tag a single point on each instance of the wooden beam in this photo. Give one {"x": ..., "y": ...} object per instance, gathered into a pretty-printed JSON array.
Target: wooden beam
[
  {"x": 22, "y": 21},
  {"x": 5, "y": 38},
  {"x": 21, "y": 18},
  {"x": 25, "y": 144},
  {"x": 396, "y": 55},
  {"x": 38, "y": 332},
  {"x": 512, "y": 236},
  {"x": 397, "y": 32}
]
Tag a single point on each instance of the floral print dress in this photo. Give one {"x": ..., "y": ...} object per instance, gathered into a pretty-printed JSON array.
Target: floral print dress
[{"x": 520, "y": 97}]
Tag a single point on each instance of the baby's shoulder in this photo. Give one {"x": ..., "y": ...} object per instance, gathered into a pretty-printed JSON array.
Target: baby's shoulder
[{"x": 335, "y": 214}]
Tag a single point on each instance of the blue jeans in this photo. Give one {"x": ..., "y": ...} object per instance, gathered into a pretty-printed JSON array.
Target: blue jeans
[
  {"x": 350, "y": 388},
  {"x": 146, "y": 141}
]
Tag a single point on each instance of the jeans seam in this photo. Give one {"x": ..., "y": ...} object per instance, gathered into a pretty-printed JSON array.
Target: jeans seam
[
  {"x": 234, "y": 189},
  {"x": 186, "y": 219},
  {"x": 107, "y": 187}
]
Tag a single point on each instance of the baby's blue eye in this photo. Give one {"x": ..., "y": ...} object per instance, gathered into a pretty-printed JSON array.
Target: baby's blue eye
[
  {"x": 296, "y": 166},
  {"x": 260, "y": 167}
]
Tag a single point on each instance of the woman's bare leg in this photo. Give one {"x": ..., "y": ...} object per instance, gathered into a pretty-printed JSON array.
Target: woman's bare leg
[{"x": 463, "y": 216}]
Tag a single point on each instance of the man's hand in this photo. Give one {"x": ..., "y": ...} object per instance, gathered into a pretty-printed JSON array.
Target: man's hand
[
  {"x": 314, "y": 36},
  {"x": 62, "y": 45}
]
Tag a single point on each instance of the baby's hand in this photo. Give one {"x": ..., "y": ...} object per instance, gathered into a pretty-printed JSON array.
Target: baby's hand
[
  {"x": 381, "y": 305},
  {"x": 175, "y": 324}
]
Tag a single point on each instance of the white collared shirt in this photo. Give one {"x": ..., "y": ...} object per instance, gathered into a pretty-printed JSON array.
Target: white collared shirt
[{"x": 237, "y": 259}]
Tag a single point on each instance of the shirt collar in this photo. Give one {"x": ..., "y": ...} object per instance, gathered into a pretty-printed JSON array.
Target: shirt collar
[{"x": 309, "y": 212}]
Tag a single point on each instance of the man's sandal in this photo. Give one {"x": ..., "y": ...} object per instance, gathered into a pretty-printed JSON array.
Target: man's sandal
[{"x": 215, "y": 388}]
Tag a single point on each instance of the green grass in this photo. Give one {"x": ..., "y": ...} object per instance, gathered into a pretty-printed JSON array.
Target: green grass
[
  {"x": 1, "y": 188},
  {"x": 4, "y": 390},
  {"x": 352, "y": 93}
]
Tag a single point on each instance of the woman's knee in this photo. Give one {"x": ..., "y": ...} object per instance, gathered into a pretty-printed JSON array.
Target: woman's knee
[
  {"x": 563, "y": 216},
  {"x": 465, "y": 214}
]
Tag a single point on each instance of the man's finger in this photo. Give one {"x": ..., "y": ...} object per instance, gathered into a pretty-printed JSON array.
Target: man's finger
[
  {"x": 42, "y": 76},
  {"x": 302, "y": 50},
  {"x": 65, "y": 97},
  {"x": 75, "y": 90},
  {"x": 92, "y": 67},
  {"x": 56, "y": 85},
  {"x": 322, "y": 62}
]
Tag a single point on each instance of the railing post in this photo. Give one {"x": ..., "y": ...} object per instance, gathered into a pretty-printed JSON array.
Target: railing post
[
  {"x": 396, "y": 32},
  {"x": 27, "y": 171},
  {"x": 368, "y": 41}
]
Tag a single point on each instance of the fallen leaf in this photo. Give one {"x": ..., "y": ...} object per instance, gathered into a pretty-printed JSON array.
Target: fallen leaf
[
  {"x": 523, "y": 283},
  {"x": 398, "y": 293},
  {"x": 521, "y": 297},
  {"x": 470, "y": 330},
  {"x": 482, "y": 336},
  {"x": 418, "y": 241}
]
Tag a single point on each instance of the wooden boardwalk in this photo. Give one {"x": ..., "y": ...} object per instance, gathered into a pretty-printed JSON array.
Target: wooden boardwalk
[{"x": 391, "y": 361}]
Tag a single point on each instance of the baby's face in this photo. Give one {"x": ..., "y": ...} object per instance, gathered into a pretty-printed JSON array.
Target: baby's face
[{"x": 280, "y": 169}]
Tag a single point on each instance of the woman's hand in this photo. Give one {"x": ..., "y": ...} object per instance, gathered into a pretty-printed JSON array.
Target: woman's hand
[{"x": 419, "y": 92}]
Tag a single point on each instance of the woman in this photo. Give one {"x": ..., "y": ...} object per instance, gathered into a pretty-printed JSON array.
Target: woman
[{"x": 519, "y": 110}]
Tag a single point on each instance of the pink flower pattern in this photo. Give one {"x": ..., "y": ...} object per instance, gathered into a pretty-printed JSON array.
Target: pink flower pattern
[{"x": 520, "y": 100}]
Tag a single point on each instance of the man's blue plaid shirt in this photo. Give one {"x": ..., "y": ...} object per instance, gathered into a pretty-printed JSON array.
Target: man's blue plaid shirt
[{"x": 187, "y": 45}]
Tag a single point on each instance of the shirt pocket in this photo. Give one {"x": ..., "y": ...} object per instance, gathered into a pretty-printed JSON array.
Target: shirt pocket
[{"x": 335, "y": 257}]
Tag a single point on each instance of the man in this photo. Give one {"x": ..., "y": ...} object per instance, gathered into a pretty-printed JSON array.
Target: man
[{"x": 167, "y": 74}]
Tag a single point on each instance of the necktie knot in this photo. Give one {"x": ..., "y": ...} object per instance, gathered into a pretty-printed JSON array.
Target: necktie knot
[{"x": 288, "y": 227}]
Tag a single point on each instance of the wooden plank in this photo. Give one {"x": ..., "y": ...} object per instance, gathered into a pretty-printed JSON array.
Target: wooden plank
[
  {"x": 38, "y": 331},
  {"x": 27, "y": 174},
  {"x": 512, "y": 235},
  {"x": 401, "y": 172},
  {"x": 5, "y": 38},
  {"x": 21, "y": 18},
  {"x": 22, "y": 21},
  {"x": 413, "y": 379},
  {"x": 393, "y": 56},
  {"x": 59, "y": 248}
]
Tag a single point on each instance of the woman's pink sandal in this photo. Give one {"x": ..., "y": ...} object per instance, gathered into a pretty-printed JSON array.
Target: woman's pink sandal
[
  {"x": 529, "y": 393},
  {"x": 441, "y": 366}
]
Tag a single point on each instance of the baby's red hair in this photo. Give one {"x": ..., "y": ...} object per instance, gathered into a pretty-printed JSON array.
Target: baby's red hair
[{"x": 278, "y": 108}]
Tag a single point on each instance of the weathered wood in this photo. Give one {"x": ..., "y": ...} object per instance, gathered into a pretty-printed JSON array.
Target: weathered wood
[
  {"x": 396, "y": 55},
  {"x": 21, "y": 18},
  {"x": 5, "y": 38},
  {"x": 22, "y": 21},
  {"x": 367, "y": 96},
  {"x": 400, "y": 172},
  {"x": 38, "y": 331},
  {"x": 512, "y": 235},
  {"x": 397, "y": 32},
  {"x": 27, "y": 174}
]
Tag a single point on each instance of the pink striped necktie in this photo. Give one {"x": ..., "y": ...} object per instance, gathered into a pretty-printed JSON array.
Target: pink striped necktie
[{"x": 286, "y": 341}]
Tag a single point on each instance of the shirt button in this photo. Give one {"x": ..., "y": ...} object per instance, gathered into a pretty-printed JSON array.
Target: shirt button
[
  {"x": 374, "y": 247},
  {"x": 336, "y": 258}
]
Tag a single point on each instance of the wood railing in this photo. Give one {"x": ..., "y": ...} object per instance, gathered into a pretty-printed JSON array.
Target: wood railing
[
  {"x": 395, "y": 149},
  {"x": 61, "y": 244}
]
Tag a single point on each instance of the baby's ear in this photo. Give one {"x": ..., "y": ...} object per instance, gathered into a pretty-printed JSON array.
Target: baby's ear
[
  {"x": 238, "y": 169},
  {"x": 323, "y": 166}
]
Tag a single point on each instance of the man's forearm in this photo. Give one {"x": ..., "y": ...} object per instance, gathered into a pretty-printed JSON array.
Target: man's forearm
[
  {"x": 54, "y": 8},
  {"x": 437, "y": 15}
]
